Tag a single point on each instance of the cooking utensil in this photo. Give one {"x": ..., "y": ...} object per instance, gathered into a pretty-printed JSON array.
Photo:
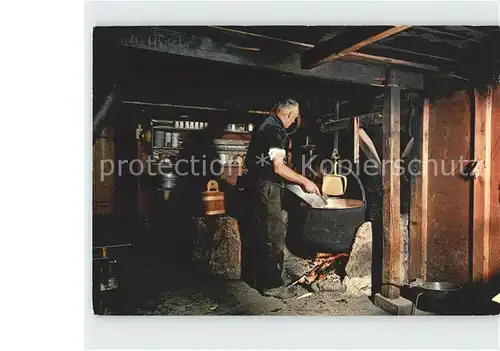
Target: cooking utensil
[
  {"x": 314, "y": 200},
  {"x": 334, "y": 184},
  {"x": 435, "y": 290},
  {"x": 168, "y": 139},
  {"x": 366, "y": 144},
  {"x": 168, "y": 181},
  {"x": 408, "y": 148},
  {"x": 159, "y": 138},
  {"x": 175, "y": 139}
]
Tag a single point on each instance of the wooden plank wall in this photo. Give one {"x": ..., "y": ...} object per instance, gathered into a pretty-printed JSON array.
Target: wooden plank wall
[
  {"x": 494, "y": 240},
  {"x": 449, "y": 195},
  {"x": 459, "y": 238}
]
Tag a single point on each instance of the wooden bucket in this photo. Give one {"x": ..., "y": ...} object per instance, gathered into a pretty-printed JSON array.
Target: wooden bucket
[{"x": 213, "y": 199}]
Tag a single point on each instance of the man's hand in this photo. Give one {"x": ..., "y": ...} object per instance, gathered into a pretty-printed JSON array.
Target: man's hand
[
  {"x": 287, "y": 173},
  {"x": 311, "y": 187}
]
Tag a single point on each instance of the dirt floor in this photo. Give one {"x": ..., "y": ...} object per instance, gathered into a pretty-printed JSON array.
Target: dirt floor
[{"x": 189, "y": 294}]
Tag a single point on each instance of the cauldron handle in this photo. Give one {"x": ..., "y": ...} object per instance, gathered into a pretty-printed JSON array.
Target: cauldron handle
[
  {"x": 361, "y": 187},
  {"x": 414, "y": 306}
]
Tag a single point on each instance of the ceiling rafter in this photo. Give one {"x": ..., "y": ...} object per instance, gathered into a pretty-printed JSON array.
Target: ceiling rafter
[
  {"x": 205, "y": 48},
  {"x": 346, "y": 43}
]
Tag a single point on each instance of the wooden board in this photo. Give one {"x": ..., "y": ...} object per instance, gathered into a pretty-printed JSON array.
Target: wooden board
[
  {"x": 482, "y": 185},
  {"x": 494, "y": 240},
  {"x": 419, "y": 210},
  {"x": 449, "y": 195}
]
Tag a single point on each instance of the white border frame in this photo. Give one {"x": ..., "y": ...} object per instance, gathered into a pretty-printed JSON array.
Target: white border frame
[{"x": 282, "y": 332}]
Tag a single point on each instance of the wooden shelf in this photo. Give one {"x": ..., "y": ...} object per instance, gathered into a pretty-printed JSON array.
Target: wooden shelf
[
  {"x": 169, "y": 148},
  {"x": 195, "y": 130}
]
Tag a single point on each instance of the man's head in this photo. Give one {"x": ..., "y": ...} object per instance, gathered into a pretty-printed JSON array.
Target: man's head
[{"x": 287, "y": 111}]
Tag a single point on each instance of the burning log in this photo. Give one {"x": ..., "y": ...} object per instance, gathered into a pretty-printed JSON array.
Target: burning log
[{"x": 323, "y": 263}]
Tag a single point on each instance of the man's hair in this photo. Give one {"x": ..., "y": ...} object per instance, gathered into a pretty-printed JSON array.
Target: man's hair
[{"x": 287, "y": 104}]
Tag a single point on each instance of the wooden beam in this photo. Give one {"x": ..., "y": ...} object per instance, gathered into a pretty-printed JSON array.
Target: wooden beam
[
  {"x": 409, "y": 56},
  {"x": 257, "y": 35},
  {"x": 345, "y": 43},
  {"x": 393, "y": 61},
  {"x": 482, "y": 186},
  {"x": 392, "y": 257},
  {"x": 480, "y": 63},
  {"x": 370, "y": 119},
  {"x": 354, "y": 54},
  {"x": 175, "y": 43},
  {"x": 418, "y": 211}
]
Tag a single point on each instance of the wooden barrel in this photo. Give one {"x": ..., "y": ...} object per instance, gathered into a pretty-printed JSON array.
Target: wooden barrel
[{"x": 213, "y": 199}]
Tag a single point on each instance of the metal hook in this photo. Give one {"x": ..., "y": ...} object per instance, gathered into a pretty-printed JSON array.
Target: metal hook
[{"x": 335, "y": 154}]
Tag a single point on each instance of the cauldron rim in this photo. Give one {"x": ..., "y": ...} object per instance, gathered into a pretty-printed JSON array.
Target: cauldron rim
[
  {"x": 361, "y": 204},
  {"x": 308, "y": 207}
]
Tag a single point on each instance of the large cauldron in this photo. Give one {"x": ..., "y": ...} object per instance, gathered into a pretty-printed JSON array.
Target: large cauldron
[{"x": 329, "y": 229}]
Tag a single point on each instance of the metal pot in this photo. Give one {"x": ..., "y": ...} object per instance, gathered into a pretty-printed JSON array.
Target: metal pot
[
  {"x": 168, "y": 180},
  {"x": 435, "y": 294},
  {"x": 440, "y": 289},
  {"x": 328, "y": 228}
]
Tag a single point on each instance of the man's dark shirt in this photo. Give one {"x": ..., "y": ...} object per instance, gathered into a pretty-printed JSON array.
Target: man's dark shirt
[{"x": 270, "y": 134}]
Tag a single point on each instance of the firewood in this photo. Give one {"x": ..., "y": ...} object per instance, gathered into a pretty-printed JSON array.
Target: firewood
[
  {"x": 305, "y": 295},
  {"x": 301, "y": 280},
  {"x": 323, "y": 263},
  {"x": 323, "y": 255}
]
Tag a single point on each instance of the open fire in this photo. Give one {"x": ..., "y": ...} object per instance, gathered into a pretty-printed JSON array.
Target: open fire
[{"x": 323, "y": 263}]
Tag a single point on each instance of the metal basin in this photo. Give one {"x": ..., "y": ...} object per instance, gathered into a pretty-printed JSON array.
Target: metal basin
[
  {"x": 439, "y": 290},
  {"x": 436, "y": 297},
  {"x": 441, "y": 286}
]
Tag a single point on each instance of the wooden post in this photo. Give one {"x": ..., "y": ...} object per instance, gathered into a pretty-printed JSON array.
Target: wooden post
[
  {"x": 102, "y": 114},
  {"x": 356, "y": 139},
  {"x": 482, "y": 186},
  {"x": 392, "y": 256},
  {"x": 418, "y": 210},
  {"x": 336, "y": 133}
]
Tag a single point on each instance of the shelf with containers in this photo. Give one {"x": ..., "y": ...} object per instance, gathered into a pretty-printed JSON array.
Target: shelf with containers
[{"x": 168, "y": 136}]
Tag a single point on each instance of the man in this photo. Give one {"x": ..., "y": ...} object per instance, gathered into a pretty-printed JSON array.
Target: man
[{"x": 267, "y": 171}]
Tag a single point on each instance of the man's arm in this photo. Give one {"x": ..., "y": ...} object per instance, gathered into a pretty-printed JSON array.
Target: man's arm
[{"x": 281, "y": 169}]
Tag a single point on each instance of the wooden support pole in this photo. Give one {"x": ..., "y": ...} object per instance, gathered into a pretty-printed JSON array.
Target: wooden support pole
[
  {"x": 418, "y": 210},
  {"x": 336, "y": 133},
  {"x": 356, "y": 139},
  {"x": 392, "y": 256},
  {"x": 482, "y": 186},
  {"x": 100, "y": 117}
]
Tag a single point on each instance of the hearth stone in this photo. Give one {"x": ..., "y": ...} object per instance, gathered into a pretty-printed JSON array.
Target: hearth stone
[{"x": 358, "y": 277}]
